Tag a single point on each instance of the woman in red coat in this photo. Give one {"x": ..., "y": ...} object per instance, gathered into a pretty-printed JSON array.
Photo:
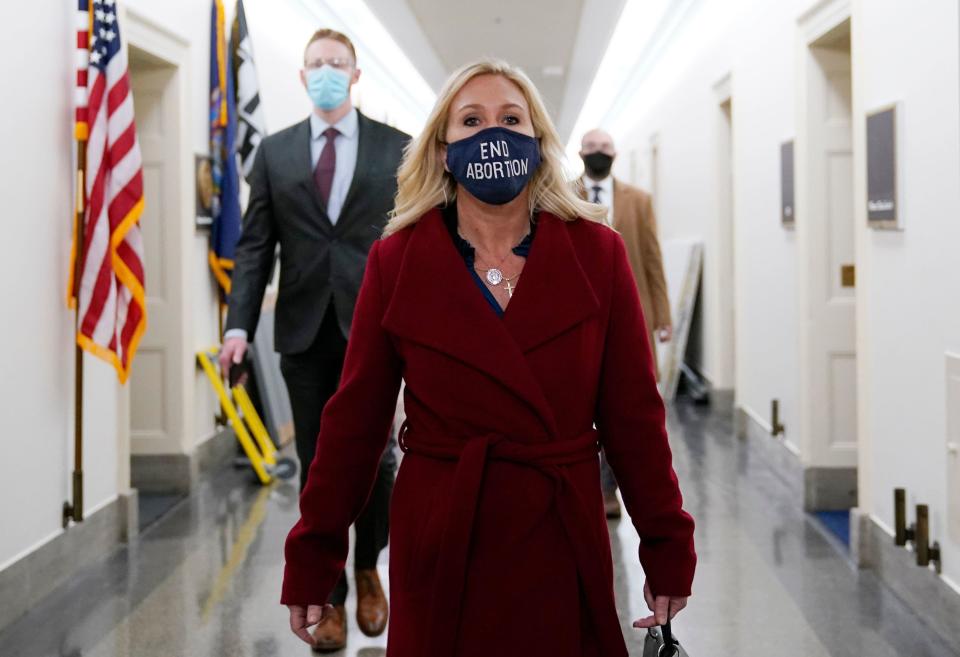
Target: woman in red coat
[{"x": 498, "y": 539}]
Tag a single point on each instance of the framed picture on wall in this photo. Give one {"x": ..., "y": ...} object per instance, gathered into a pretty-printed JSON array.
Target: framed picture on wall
[
  {"x": 787, "y": 213},
  {"x": 883, "y": 176},
  {"x": 203, "y": 177}
]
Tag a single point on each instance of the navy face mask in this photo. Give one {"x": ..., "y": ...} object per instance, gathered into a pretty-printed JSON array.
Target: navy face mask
[{"x": 495, "y": 164}]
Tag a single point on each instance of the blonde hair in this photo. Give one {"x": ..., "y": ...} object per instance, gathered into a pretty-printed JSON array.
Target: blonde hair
[{"x": 423, "y": 183}]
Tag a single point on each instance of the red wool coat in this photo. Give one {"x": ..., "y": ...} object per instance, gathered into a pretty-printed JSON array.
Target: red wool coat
[{"x": 498, "y": 540}]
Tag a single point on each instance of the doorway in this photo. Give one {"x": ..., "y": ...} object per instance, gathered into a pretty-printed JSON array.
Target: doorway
[
  {"x": 160, "y": 392},
  {"x": 827, "y": 271},
  {"x": 153, "y": 390},
  {"x": 722, "y": 361}
]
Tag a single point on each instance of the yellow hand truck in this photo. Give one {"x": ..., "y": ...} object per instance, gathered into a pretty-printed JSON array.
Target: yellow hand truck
[{"x": 241, "y": 414}]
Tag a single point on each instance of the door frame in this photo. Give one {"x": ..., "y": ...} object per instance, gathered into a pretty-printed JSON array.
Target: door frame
[
  {"x": 146, "y": 35},
  {"x": 721, "y": 266},
  {"x": 828, "y": 477}
]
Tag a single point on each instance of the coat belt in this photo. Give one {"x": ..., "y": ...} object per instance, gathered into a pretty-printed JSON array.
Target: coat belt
[{"x": 548, "y": 459}]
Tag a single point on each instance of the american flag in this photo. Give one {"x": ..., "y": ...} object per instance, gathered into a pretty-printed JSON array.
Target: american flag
[{"x": 112, "y": 310}]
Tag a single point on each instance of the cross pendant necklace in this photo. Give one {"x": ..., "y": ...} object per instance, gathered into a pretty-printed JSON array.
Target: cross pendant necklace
[
  {"x": 510, "y": 288},
  {"x": 494, "y": 275}
]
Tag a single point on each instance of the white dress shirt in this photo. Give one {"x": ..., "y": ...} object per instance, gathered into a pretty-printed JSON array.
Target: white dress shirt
[
  {"x": 346, "y": 146},
  {"x": 606, "y": 193}
]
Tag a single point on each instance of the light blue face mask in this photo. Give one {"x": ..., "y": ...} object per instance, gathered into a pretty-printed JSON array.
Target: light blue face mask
[{"x": 327, "y": 87}]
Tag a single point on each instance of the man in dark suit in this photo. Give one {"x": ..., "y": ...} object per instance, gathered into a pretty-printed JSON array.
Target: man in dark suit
[{"x": 322, "y": 189}]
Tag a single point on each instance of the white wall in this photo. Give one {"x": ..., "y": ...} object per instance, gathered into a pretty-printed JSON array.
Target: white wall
[
  {"x": 753, "y": 42},
  {"x": 911, "y": 279},
  {"x": 36, "y": 391},
  {"x": 907, "y": 282}
]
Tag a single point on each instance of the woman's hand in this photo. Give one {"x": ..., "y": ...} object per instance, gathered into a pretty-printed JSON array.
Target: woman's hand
[
  {"x": 664, "y": 608},
  {"x": 302, "y": 618}
]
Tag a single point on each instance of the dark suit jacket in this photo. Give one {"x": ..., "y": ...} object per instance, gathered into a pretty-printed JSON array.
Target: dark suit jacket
[
  {"x": 501, "y": 450},
  {"x": 318, "y": 260}
]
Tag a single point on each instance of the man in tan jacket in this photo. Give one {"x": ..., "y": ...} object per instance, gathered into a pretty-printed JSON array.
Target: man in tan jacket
[{"x": 630, "y": 213}]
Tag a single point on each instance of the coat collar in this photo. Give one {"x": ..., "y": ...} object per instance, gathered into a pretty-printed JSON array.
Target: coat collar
[
  {"x": 587, "y": 184},
  {"x": 619, "y": 198},
  {"x": 437, "y": 304},
  {"x": 300, "y": 155},
  {"x": 302, "y": 135},
  {"x": 619, "y": 203},
  {"x": 365, "y": 149},
  {"x": 347, "y": 126}
]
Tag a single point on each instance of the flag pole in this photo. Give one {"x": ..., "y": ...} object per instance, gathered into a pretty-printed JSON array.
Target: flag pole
[{"x": 74, "y": 511}]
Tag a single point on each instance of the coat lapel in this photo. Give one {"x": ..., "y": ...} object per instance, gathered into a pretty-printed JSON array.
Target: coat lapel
[
  {"x": 436, "y": 303},
  {"x": 553, "y": 293},
  {"x": 619, "y": 205},
  {"x": 303, "y": 165},
  {"x": 365, "y": 148}
]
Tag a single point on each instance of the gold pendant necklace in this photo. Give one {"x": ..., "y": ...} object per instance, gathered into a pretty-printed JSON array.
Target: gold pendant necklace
[
  {"x": 494, "y": 274},
  {"x": 499, "y": 278}
]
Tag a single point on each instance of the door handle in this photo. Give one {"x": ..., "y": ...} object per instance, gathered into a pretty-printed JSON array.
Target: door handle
[{"x": 848, "y": 275}]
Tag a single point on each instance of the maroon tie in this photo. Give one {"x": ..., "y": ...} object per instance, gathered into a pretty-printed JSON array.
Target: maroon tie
[{"x": 326, "y": 165}]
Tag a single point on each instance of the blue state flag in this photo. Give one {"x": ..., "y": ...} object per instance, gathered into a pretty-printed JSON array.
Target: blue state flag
[{"x": 225, "y": 229}]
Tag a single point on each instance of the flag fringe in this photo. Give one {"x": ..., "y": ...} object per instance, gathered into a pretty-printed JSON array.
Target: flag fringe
[
  {"x": 128, "y": 278},
  {"x": 221, "y": 268}
]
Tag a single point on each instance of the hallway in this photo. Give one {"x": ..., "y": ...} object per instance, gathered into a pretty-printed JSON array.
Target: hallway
[{"x": 205, "y": 578}]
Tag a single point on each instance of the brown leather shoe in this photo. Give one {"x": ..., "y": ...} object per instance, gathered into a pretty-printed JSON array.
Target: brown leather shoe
[
  {"x": 372, "y": 609},
  {"x": 331, "y": 633},
  {"x": 611, "y": 505}
]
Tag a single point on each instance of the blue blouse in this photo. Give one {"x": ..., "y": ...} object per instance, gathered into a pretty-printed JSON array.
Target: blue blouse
[{"x": 466, "y": 250}]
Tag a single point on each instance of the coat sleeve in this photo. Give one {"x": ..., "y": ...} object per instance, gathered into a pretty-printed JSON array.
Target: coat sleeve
[
  {"x": 632, "y": 425},
  {"x": 652, "y": 261},
  {"x": 253, "y": 260},
  {"x": 354, "y": 429}
]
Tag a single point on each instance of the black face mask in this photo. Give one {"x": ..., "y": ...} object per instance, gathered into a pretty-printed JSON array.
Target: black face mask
[{"x": 598, "y": 164}]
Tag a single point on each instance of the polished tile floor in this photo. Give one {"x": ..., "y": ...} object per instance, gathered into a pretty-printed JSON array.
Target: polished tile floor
[{"x": 204, "y": 579}]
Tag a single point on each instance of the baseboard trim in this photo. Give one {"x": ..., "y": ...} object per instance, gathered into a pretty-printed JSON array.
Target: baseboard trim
[
  {"x": 31, "y": 578},
  {"x": 722, "y": 397},
  {"x": 217, "y": 452},
  {"x": 24, "y": 583},
  {"x": 820, "y": 489},
  {"x": 164, "y": 473},
  {"x": 829, "y": 489},
  {"x": 179, "y": 473},
  {"x": 773, "y": 452},
  {"x": 927, "y": 593}
]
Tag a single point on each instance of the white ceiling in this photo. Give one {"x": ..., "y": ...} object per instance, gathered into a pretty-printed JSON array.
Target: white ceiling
[{"x": 558, "y": 43}]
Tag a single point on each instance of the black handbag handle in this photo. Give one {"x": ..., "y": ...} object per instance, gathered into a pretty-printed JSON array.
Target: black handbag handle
[{"x": 669, "y": 647}]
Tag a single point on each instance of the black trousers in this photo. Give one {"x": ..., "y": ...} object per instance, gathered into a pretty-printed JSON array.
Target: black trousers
[{"x": 312, "y": 378}]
